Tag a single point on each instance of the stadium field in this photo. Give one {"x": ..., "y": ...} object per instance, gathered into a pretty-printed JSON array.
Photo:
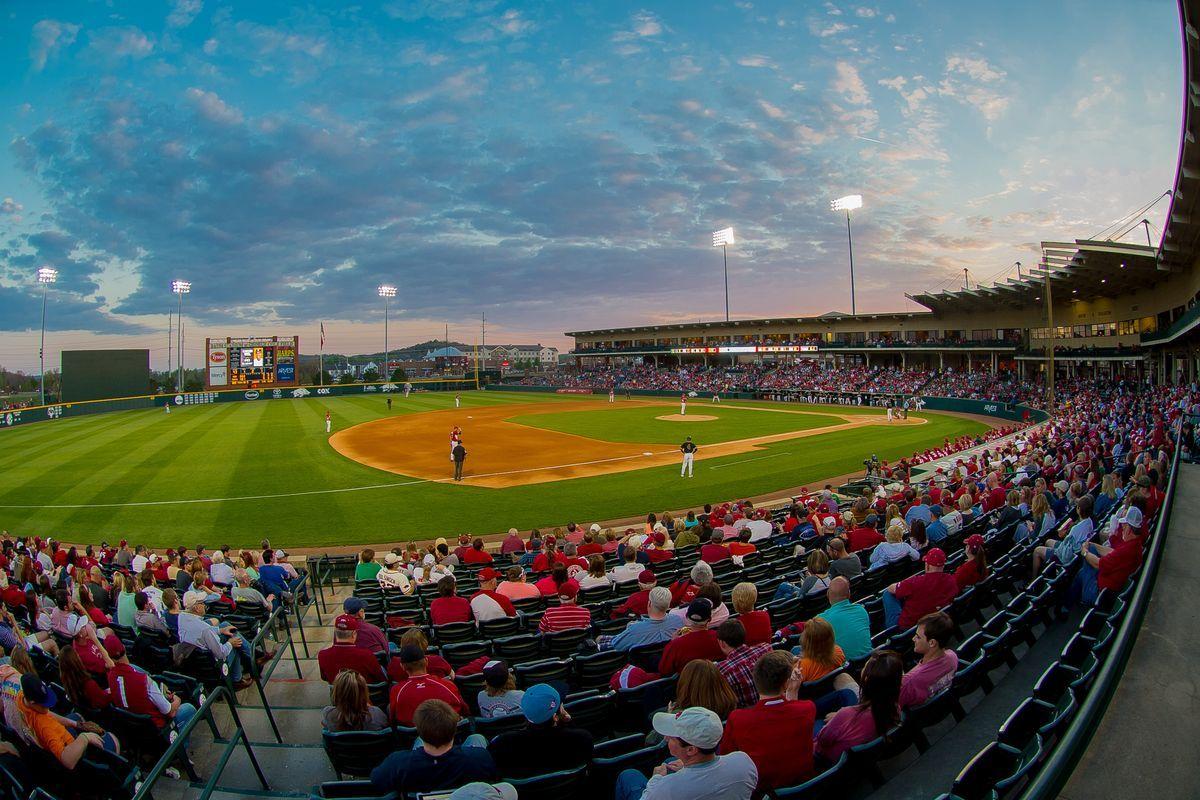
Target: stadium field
[{"x": 236, "y": 472}]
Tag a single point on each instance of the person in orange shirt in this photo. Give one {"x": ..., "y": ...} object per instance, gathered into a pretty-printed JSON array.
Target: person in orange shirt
[
  {"x": 820, "y": 654},
  {"x": 742, "y": 546}
]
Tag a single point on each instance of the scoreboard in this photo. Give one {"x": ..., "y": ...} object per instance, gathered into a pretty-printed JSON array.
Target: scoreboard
[{"x": 252, "y": 363}]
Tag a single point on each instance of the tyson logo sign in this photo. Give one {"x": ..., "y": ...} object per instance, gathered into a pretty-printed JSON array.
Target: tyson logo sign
[{"x": 216, "y": 357}]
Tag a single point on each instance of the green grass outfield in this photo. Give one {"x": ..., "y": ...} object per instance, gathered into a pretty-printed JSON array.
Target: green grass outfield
[{"x": 218, "y": 474}]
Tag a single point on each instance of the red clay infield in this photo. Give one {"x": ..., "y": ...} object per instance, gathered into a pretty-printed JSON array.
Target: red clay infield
[{"x": 501, "y": 453}]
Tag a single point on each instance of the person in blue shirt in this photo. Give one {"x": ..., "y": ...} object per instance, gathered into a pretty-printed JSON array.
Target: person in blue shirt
[
  {"x": 919, "y": 511},
  {"x": 936, "y": 530},
  {"x": 274, "y": 578},
  {"x": 1067, "y": 549},
  {"x": 657, "y": 626}
]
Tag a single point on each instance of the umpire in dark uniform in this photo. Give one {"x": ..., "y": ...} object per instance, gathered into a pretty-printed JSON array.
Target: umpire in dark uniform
[
  {"x": 459, "y": 454},
  {"x": 688, "y": 448}
]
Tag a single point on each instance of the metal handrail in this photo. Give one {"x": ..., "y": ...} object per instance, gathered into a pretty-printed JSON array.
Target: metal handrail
[
  {"x": 1061, "y": 762},
  {"x": 144, "y": 787}
]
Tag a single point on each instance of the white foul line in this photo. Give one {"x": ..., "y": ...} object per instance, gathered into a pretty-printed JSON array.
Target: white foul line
[
  {"x": 747, "y": 460},
  {"x": 327, "y": 491}
]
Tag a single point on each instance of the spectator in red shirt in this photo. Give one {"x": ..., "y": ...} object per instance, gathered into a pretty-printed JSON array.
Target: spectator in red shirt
[
  {"x": 549, "y": 555},
  {"x": 756, "y": 623},
  {"x": 487, "y": 603},
  {"x": 693, "y": 641},
  {"x": 636, "y": 604},
  {"x": 684, "y": 591},
  {"x": 742, "y": 546},
  {"x": 566, "y": 615},
  {"x": 464, "y": 544},
  {"x": 711, "y": 552},
  {"x": 344, "y": 653},
  {"x": 865, "y": 535},
  {"x": 476, "y": 554},
  {"x": 912, "y": 598},
  {"x": 590, "y": 546},
  {"x": 1109, "y": 567},
  {"x": 512, "y": 544},
  {"x": 421, "y": 686},
  {"x": 776, "y": 732},
  {"x": 448, "y": 606},
  {"x": 557, "y": 578},
  {"x": 974, "y": 569}
]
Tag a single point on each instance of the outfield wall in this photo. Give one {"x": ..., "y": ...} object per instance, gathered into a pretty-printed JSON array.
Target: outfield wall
[
  {"x": 24, "y": 416},
  {"x": 1013, "y": 412}
]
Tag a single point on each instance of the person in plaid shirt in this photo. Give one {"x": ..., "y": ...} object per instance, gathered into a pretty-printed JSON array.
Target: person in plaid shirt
[{"x": 740, "y": 658}]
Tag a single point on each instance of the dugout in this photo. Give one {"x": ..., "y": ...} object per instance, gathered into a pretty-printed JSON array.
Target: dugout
[{"x": 104, "y": 374}]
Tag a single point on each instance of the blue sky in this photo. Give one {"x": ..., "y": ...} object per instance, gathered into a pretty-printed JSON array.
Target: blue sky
[{"x": 557, "y": 166}]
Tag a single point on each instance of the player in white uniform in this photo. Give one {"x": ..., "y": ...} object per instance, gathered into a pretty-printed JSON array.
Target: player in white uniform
[
  {"x": 688, "y": 448},
  {"x": 328, "y": 422},
  {"x": 612, "y": 394},
  {"x": 716, "y": 398},
  {"x": 683, "y": 405},
  {"x": 457, "y": 400},
  {"x": 407, "y": 389}
]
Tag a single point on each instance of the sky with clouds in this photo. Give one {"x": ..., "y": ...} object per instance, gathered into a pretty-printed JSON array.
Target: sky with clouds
[{"x": 555, "y": 166}]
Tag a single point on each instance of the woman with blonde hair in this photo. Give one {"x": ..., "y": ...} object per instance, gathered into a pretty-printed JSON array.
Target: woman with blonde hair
[
  {"x": 702, "y": 685},
  {"x": 1108, "y": 497},
  {"x": 756, "y": 623},
  {"x": 596, "y": 575},
  {"x": 894, "y": 548},
  {"x": 894, "y": 516},
  {"x": 1043, "y": 521},
  {"x": 351, "y": 709}
]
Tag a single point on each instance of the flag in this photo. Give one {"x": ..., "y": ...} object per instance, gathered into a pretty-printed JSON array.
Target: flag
[{"x": 322, "y": 336}]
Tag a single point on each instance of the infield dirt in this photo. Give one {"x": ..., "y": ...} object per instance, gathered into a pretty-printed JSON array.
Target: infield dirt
[{"x": 502, "y": 453}]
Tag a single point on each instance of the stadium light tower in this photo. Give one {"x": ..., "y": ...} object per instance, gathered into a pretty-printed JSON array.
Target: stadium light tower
[
  {"x": 848, "y": 203},
  {"x": 387, "y": 293},
  {"x": 45, "y": 276},
  {"x": 722, "y": 239},
  {"x": 180, "y": 288}
]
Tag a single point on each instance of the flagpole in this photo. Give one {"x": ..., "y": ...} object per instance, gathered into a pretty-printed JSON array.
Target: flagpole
[{"x": 321, "y": 359}]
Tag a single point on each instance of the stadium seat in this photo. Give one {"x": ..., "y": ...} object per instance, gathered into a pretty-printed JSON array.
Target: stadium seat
[
  {"x": 918, "y": 719},
  {"x": 491, "y": 727},
  {"x": 552, "y": 786},
  {"x": 541, "y": 671},
  {"x": 522, "y": 647},
  {"x": 454, "y": 632},
  {"x": 864, "y": 758},
  {"x": 500, "y": 627},
  {"x": 634, "y": 706},
  {"x": 595, "y": 670},
  {"x": 358, "y": 752},
  {"x": 997, "y": 770},
  {"x": 461, "y": 653},
  {"x": 826, "y": 785},
  {"x": 593, "y": 713},
  {"x": 611, "y": 758},
  {"x": 349, "y": 790},
  {"x": 563, "y": 643}
]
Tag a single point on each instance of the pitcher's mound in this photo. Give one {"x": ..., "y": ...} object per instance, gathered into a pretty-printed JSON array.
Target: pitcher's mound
[{"x": 688, "y": 418}]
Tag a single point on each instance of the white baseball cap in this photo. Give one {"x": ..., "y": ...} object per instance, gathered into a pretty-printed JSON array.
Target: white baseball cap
[
  {"x": 1133, "y": 517},
  {"x": 698, "y": 726}
]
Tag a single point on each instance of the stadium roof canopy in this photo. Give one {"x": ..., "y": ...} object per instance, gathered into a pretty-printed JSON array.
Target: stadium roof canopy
[
  {"x": 1181, "y": 234},
  {"x": 829, "y": 316},
  {"x": 1079, "y": 270}
]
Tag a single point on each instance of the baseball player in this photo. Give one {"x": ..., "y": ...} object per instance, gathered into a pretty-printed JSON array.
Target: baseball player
[
  {"x": 167, "y": 406},
  {"x": 612, "y": 394},
  {"x": 457, "y": 400},
  {"x": 389, "y": 401},
  {"x": 683, "y": 404},
  {"x": 716, "y": 398},
  {"x": 688, "y": 448},
  {"x": 455, "y": 438},
  {"x": 407, "y": 389},
  {"x": 328, "y": 422}
]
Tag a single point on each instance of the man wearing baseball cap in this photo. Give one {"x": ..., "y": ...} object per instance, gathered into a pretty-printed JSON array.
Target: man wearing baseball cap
[
  {"x": 47, "y": 728},
  {"x": 566, "y": 615},
  {"x": 487, "y": 603},
  {"x": 344, "y": 653},
  {"x": 912, "y": 598},
  {"x": 370, "y": 636},
  {"x": 693, "y": 642},
  {"x": 635, "y": 604},
  {"x": 695, "y": 771},
  {"x": 406, "y": 697},
  {"x": 1109, "y": 567},
  {"x": 547, "y": 742},
  {"x": 132, "y": 689}
]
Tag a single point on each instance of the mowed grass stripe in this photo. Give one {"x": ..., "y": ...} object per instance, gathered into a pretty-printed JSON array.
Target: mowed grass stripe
[
  {"x": 150, "y": 468},
  {"x": 49, "y": 438},
  {"x": 94, "y": 454}
]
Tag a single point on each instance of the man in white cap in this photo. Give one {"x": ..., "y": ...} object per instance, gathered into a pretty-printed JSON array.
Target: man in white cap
[
  {"x": 392, "y": 575},
  {"x": 1109, "y": 567},
  {"x": 695, "y": 772}
]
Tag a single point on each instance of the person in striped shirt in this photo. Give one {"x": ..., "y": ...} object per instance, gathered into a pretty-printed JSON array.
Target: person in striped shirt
[{"x": 567, "y": 615}]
